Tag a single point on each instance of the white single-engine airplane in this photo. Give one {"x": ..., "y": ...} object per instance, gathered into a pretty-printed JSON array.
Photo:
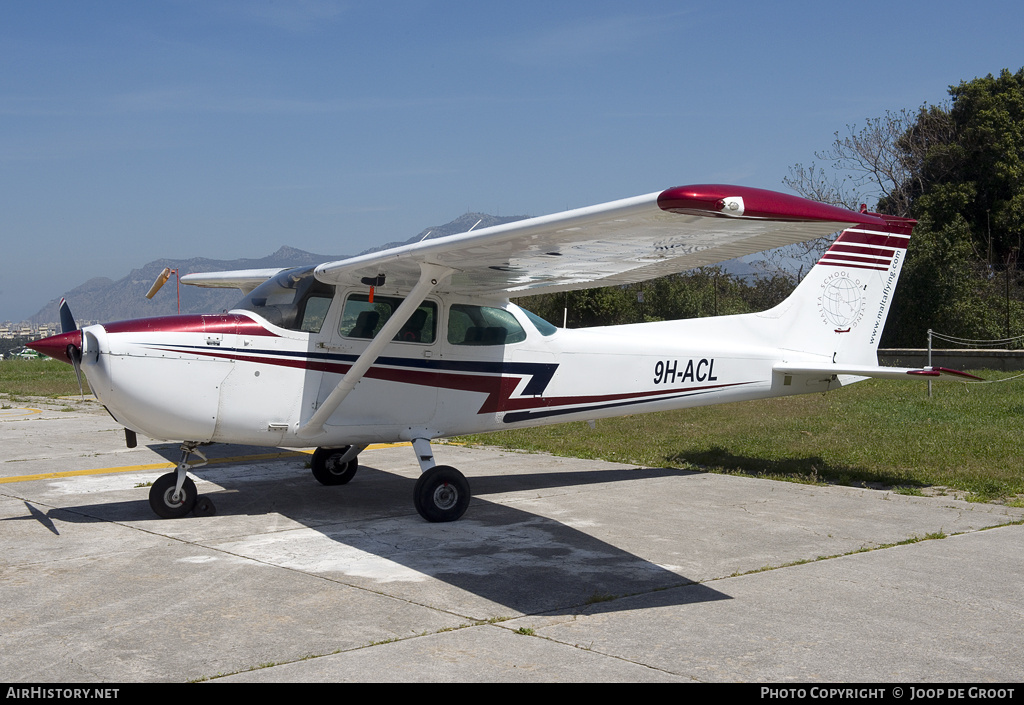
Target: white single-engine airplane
[{"x": 420, "y": 341}]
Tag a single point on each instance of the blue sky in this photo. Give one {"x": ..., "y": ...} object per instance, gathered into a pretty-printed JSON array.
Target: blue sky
[{"x": 131, "y": 131}]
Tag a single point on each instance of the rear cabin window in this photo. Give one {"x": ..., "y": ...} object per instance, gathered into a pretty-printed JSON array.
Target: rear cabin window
[
  {"x": 543, "y": 327},
  {"x": 482, "y": 325},
  {"x": 362, "y": 319}
]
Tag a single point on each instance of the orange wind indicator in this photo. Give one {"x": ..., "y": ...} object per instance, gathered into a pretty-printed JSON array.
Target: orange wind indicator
[{"x": 161, "y": 280}]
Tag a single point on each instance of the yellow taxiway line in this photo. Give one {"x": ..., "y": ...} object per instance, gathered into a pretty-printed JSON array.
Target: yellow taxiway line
[
  {"x": 18, "y": 412},
  {"x": 169, "y": 465}
]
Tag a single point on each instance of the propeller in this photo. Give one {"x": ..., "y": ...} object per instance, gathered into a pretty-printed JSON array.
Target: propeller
[{"x": 73, "y": 352}]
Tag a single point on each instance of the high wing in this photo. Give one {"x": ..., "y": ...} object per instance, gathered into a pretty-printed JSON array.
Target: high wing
[
  {"x": 244, "y": 279},
  {"x": 615, "y": 243}
]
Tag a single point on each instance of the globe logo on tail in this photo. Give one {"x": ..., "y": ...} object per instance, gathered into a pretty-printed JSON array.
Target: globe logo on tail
[{"x": 842, "y": 302}]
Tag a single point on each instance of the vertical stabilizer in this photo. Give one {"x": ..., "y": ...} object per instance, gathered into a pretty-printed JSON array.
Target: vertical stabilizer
[{"x": 840, "y": 307}]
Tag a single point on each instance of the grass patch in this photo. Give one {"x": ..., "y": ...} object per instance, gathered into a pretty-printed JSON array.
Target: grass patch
[
  {"x": 39, "y": 378},
  {"x": 875, "y": 433}
]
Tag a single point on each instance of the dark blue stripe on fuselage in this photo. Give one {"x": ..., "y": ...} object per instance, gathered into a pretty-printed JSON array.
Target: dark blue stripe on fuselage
[
  {"x": 540, "y": 373},
  {"x": 514, "y": 416}
]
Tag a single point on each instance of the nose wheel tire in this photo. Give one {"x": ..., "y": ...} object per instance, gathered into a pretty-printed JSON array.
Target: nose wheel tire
[
  {"x": 328, "y": 468},
  {"x": 441, "y": 494},
  {"x": 165, "y": 504}
]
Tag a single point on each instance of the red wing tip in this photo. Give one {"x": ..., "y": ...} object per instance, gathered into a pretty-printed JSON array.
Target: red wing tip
[
  {"x": 939, "y": 371},
  {"x": 958, "y": 373},
  {"x": 715, "y": 200}
]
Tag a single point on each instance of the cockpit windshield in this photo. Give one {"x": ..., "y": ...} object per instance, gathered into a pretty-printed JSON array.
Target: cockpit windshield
[{"x": 292, "y": 299}]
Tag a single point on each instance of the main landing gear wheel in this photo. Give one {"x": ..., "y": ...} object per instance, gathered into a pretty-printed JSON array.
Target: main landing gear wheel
[
  {"x": 441, "y": 494},
  {"x": 162, "y": 499},
  {"x": 328, "y": 468}
]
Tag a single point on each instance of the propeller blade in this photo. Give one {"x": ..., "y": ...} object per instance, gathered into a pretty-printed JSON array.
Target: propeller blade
[
  {"x": 67, "y": 321},
  {"x": 71, "y": 351},
  {"x": 160, "y": 281},
  {"x": 74, "y": 354}
]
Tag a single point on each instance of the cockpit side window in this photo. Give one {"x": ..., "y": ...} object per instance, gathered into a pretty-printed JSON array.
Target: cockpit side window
[
  {"x": 314, "y": 311},
  {"x": 482, "y": 325},
  {"x": 293, "y": 299},
  {"x": 363, "y": 319}
]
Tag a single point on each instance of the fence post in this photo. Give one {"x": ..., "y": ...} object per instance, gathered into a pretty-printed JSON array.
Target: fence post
[{"x": 929, "y": 361}]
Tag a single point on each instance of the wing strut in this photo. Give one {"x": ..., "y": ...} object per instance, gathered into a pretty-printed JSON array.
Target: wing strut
[{"x": 430, "y": 275}]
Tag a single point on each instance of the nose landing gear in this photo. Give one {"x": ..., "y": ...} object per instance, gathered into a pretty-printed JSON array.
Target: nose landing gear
[
  {"x": 335, "y": 466},
  {"x": 174, "y": 495}
]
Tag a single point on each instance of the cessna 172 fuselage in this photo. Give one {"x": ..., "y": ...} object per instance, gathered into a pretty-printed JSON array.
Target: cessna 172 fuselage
[{"x": 421, "y": 341}]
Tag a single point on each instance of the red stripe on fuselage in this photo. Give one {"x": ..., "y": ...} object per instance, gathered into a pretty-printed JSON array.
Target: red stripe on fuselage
[
  {"x": 499, "y": 388},
  {"x": 222, "y": 323}
]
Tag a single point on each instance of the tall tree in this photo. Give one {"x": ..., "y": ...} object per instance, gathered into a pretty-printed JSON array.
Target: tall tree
[
  {"x": 959, "y": 169},
  {"x": 979, "y": 173},
  {"x": 875, "y": 163}
]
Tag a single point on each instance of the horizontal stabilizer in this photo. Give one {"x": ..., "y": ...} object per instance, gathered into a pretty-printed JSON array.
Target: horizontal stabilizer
[{"x": 872, "y": 371}]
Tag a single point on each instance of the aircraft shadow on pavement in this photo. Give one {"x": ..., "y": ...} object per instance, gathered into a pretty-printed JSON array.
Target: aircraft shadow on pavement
[
  {"x": 807, "y": 465},
  {"x": 524, "y": 561}
]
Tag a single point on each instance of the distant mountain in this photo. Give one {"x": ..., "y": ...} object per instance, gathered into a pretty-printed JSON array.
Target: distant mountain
[{"x": 102, "y": 300}]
